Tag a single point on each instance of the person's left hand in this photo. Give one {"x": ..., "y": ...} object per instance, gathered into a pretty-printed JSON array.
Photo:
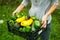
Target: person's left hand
[{"x": 44, "y": 22}]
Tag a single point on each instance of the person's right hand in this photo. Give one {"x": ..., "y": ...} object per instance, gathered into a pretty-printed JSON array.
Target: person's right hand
[
  {"x": 16, "y": 11},
  {"x": 19, "y": 8}
]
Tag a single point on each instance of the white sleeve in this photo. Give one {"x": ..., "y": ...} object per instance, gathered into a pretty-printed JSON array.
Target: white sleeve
[
  {"x": 25, "y": 2},
  {"x": 55, "y": 2}
]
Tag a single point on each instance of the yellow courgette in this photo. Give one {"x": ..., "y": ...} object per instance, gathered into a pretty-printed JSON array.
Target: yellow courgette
[
  {"x": 27, "y": 22},
  {"x": 18, "y": 20}
]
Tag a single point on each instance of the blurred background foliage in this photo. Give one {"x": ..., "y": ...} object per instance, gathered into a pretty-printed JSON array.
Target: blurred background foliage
[{"x": 10, "y": 2}]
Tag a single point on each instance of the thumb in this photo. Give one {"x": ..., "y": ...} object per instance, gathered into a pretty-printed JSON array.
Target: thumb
[
  {"x": 13, "y": 13},
  {"x": 42, "y": 22}
]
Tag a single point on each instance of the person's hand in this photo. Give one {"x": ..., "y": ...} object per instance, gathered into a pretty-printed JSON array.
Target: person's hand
[
  {"x": 19, "y": 8},
  {"x": 16, "y": 11},
  {"x": 44, "y": 22}
]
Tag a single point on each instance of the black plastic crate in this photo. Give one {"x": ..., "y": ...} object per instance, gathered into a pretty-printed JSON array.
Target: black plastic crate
[{"x": 28, "y": 35}]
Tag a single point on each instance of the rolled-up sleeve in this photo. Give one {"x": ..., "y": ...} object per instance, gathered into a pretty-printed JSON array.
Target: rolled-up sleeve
[
  {"x": 25, "y": 2},
  {"x": 55, "y": 2}
]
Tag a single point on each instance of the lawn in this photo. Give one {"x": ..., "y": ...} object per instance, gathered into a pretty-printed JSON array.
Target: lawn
[{"x": 6, "y": 12}]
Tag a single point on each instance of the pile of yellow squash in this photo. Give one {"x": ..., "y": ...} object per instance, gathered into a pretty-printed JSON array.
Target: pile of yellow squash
[{"x": 24, "y": 21}]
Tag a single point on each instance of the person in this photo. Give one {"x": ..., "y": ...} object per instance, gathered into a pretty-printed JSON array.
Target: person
[{"x": 41, "y": 9}]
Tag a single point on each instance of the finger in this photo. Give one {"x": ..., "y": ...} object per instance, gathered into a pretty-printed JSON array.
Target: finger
[
  {"x": 13, "y": 13},
  {"x": 44, "y": 24}
]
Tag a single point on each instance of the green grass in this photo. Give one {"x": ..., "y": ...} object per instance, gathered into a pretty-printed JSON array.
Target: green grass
[
  {"x": 55, "y": 34},
  {"x": 6, "y": 35}
]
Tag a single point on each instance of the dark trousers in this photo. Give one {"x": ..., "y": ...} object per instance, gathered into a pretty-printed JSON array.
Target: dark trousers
[{"x": 45, "y": 34}]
